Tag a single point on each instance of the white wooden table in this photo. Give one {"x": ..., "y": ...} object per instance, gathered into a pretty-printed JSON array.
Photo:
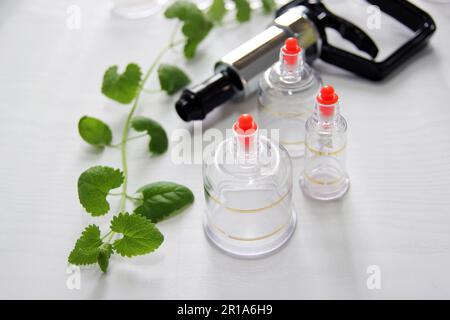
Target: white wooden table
[{"x": 396, "y": 215}]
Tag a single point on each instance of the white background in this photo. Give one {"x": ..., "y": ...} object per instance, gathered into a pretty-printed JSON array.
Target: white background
[{"x": 396, "y": 214}]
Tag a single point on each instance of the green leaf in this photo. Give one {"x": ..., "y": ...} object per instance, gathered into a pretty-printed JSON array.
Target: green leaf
[
  {"x": 243, "y": 10},
  {"x": 104, "y": 254},
  {"x": 196, "y": 26},
  {"x": 140, "y": 236},
  {"x": 163, "y": 199},
  {"x": 268, "y": 5},
  {"x": 94, "y": 184},
  {"x": 90, "y": 249},
  {"x": 122, "y": 87},
  {"x": 94, "y": 131},
  {"x": 87, "y": 247},
  {"x": 217, "y": 11},
  {"x": 172, "y": 78},
  {"x": 158, "y": 137}
]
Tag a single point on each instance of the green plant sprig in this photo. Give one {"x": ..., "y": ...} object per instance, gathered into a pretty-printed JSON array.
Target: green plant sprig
[
  {"x": 157, "y": 201},
  {"x": 136, "y": 233}
]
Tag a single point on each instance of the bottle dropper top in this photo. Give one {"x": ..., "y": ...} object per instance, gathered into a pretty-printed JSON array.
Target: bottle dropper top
[
  {"x": 291, "y": 50},
  {"x": 291, "y": 61},
  {"x": 327, "y": 100},
  {"x": 245, "y": 122},
  {"x": 245, "y": 130}
]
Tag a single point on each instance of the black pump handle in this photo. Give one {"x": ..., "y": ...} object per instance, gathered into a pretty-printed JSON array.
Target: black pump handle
[{"x": 403, "y": 11}]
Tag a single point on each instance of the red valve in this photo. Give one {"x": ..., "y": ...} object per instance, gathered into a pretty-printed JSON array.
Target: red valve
[
  {"x": 327, "y": 98},
  {"x": 245, "y": 123},
  {"x": 291, "y": 46},
  {"x": 291, "y": 49},
  {"x": 245, "y": 126}
]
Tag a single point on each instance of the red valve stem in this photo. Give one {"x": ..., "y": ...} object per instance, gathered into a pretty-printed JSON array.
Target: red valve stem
[
  {"x": 291, "y": 50},
  {"x": 245, "y": 123},
  {"x": 245, "y": 126},
  {"x": 327, "y": 98}
]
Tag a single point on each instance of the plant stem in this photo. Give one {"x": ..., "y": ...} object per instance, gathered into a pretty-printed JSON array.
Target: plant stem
[
  {"x": 133, "y": 198},
  {"x": 152, "y": 91},
  {"x": 129, "y": 139},
  {"x": 109, "y": 233},
  {"x": 126, "y": 128},
  {"x": 123, "y": 151}
]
